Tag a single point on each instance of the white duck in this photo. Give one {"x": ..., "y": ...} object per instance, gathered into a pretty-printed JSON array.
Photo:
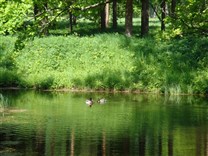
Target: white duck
[
  {"x": 89, "y": 102},
  {"x": 102, "y": 101}
]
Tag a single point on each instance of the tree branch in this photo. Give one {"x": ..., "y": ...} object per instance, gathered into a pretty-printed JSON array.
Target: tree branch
[
  {"x": 95, "y": 5},
  {"x": 158, "y": 16}
]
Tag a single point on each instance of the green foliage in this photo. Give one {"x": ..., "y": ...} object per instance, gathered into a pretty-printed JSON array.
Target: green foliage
[
  {"x": 74, "y": 59},
  {"x": 8, "y": 75},
  {"x": 190, "y": 18},
  {"x": 110, "y": 62},
  {"x": 201, "y": 81},
  {"x": 8, "y": 78},
  {"x": 13, "y": 15},
  {"x": 6, "y": 51}
]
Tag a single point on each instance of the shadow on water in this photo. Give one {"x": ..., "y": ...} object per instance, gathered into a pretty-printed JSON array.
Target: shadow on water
[{"x": 60, "y": 123}]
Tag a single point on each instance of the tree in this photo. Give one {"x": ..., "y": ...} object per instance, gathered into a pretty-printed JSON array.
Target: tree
[
  {"x": 145, "y": 18},
  {"x": 160, "y": 13},
  {"x": 13, "y": 15},
  {"x": 189, "y": 17},
  {"x": 105, "y": 15},
  {"x": 163, "y": 14},
  {"x": 107, "y": 12},
  {"x": 173, "y": 7},
  {"x": 115, "y": 24},
  {"x": 103, "y": 18},
  {"x": 128, "y": 18},
  {"x": 40, "y": 11}
]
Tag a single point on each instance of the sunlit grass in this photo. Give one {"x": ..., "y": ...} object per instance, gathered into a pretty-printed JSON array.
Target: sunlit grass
[{"x": 107, "y": 61}]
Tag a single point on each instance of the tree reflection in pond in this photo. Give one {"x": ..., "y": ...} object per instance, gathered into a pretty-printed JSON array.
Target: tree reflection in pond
[{"x": 128, "y": 124}]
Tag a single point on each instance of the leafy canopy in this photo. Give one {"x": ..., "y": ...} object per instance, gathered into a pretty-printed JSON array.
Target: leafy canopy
[
  {"x": 13, "y": 14},
  {"x": 190, "y": 18}
]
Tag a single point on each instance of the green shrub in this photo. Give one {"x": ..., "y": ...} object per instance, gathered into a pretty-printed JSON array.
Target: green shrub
[{"x": 8, "y": 78}]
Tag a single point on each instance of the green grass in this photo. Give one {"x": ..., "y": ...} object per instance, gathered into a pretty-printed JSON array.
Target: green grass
[
  {"x": 107, "y": 61},
  {"x": 91, "y": 62}
]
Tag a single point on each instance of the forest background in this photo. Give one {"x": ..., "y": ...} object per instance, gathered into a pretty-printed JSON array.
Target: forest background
[{"x": 158, "y": 46}]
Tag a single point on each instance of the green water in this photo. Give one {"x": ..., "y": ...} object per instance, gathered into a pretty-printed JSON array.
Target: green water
[{"x": 44, "y": 123}]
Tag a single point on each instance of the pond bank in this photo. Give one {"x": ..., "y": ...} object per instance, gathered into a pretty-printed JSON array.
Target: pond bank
[
  {"x": 107, "y": 62},
  {"x": 100, "y": 91}
]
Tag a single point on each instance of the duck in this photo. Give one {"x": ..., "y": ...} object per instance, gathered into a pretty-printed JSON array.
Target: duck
[
  {"x": 102, "y": 101},
  {"x": 89, "y": 102}
]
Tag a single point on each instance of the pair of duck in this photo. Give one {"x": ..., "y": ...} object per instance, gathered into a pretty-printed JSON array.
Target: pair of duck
[{"x": 89, "y": 101}]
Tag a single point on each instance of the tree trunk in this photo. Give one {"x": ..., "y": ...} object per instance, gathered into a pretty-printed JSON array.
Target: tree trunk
[
  {"x": 44, "y": 21},
  {"x": 36, "y": 11},
  {"x": 107, "y": 14},
  {"x": 70, "y": 17},
  {"x": 115, "y": 24},
  {"x": 74, "y": 20},
  {"x": 40, "y": 9},
  {"x": 103, "y": 18},
  {"x": 129, "y": 16},
  {"x": 71, "y": 21},
  {"x": 163, "y": 14},
  {"x": 173, "y": 6},
  {"x": 145, "y": 18}
]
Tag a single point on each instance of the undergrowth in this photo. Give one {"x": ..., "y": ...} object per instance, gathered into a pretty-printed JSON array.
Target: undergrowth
[{"x": 107, "y": 62}]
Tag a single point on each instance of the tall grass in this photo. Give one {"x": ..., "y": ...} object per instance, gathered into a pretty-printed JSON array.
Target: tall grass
[
  {"x": 87, "y": 62},
  {"x": 112, "y": 62}
]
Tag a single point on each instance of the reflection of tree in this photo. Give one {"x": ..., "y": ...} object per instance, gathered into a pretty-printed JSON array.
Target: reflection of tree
[
  {"x": 206, "y": 144},
  {"x": 72, "y": 143},
  {"x": 52, "y": 143},
  {"x": 170, "y": 143},
  {"x": 152, "y": 128},
  {"x": 160, "y": 144},
  {"x": 40, "y": 138},
  {"x": 142, "y": 142},
  {"x": 104, "y": 144},
  {"x": 126, "y": 145},
  {"x": 201, "y": 142},
  {"x": 198, "y": 142}
]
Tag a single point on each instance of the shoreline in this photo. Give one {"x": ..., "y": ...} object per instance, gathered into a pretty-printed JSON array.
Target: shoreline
[{"x": 101, "y": 91}]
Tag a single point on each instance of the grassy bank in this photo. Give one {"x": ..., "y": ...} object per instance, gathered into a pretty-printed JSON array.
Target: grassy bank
[{"x": 107, "y": 62}]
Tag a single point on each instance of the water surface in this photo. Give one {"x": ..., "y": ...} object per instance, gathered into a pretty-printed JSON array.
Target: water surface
[{"x": 45, "y": 123}]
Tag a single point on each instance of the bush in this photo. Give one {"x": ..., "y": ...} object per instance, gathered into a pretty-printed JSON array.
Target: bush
[{"x": 8, "y": 78}]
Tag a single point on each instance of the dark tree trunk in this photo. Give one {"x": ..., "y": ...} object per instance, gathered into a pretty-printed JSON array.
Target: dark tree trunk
[
  {"x": 163, "y": 14},
  {"x": 115, "y": 24},
  {"x": 145, "y": 18},
  {"x": 70, "y": 18},
  {"x": 36, "y": 11},
  {"x": 173, "y": 6},
  {"x": 103, "y": 18},
  {"x": 74, "y": 20},
  {"x": 71, "y": 21},
  {"x": 129, "y": 16}
]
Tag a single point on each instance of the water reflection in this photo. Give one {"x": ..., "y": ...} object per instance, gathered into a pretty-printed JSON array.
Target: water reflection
[{"x": 61, "y": 124}]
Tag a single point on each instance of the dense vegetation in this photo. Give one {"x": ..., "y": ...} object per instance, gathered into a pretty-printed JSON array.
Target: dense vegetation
[
  {"x": 41, "y": 47},
  {"x": 107, "y": 61}
]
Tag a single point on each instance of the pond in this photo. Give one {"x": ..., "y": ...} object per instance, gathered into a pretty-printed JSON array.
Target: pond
[{"x": 60, "y": 123}]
